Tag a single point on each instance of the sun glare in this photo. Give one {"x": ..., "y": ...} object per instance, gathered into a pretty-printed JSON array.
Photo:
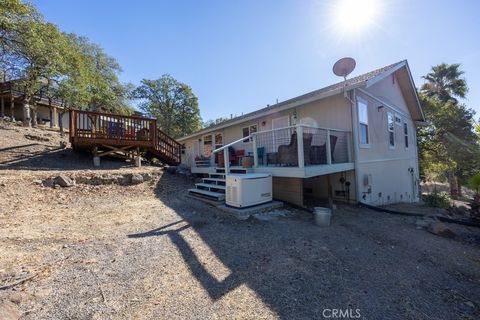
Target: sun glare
[{"x": 355, "y": 16}]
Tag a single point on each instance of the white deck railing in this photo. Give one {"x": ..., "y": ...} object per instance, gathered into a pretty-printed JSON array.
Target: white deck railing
[{"x": 295, "y": 146}]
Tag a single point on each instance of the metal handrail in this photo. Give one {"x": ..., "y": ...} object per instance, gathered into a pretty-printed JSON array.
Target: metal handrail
[
  {"x": 299, "y": 128},
  {"x": 277, "y": 129}
]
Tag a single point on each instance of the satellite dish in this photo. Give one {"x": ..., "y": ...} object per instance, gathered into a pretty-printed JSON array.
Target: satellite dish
[{"x": 344, "y": 67}]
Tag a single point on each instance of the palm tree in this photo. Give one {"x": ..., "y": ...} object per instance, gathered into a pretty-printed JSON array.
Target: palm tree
[{"x": 445, "y": 82}]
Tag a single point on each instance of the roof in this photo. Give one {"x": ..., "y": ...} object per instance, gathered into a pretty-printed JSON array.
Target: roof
[{"x": 336, "y": 88}]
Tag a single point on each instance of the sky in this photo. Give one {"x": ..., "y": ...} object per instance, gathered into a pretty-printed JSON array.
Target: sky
[{"x": 239, "y": 56}]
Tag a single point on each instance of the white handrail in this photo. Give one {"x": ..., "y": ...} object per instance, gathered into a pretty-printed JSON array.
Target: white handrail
[{"x": 277, "y": 129}]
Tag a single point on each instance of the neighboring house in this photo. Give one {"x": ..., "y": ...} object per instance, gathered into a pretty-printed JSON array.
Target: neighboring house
[
  {"x": 12, "y": 105},
  {"x": 370, "y": 119}
]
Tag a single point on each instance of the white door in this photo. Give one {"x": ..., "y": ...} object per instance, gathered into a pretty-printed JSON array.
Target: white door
[{"x": 280, "y": 136}]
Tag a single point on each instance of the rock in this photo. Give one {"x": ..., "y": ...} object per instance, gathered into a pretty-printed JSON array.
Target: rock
[
  {"x": 440, "y": 229},
  {"x": 38, "y": 181},
  {"x": 147, "y": 176},
  {"x": 64, "y": 181},
  {"x": 9, "y": 310},
  {"x": 63, "y": 144},
  {"x": 49, "y": 183},
  {"x": 36, "y": 138},
  {"x": 136, "y": 178}
]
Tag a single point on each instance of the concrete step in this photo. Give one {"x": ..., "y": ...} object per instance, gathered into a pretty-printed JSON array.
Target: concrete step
[
  {"x": 210, "y": 186},
  {"x": 217, "y": 180},
  {"x": 207, "y": 194},
  {"x": 215, "y": 175}
]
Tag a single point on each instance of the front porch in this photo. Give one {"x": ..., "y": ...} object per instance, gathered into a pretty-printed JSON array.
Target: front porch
[
  {"x": 297, "y": 151},
  {"x": 294, "y": 172}
]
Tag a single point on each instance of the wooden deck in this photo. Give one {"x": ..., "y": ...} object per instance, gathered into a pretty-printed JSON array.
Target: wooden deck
[{"x": 120, "y": 133}]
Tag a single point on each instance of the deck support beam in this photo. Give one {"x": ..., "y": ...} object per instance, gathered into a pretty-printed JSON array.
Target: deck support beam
[
  {"x": 2, "y": 110},
  {"x": 12, "y": 109}
]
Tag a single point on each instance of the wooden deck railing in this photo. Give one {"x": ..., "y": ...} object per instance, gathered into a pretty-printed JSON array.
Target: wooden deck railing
[{"x": 96, "y": 128}]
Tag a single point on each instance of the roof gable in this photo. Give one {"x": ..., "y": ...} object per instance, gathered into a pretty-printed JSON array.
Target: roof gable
[{"x": 337, "y": 88}]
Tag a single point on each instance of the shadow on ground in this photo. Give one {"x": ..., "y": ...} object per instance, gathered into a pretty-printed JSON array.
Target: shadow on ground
[
  {"x": 377, "y": 263},
  {"x": 36, "y": 157}
]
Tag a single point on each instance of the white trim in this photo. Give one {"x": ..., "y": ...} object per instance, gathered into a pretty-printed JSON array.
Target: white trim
[
  {"x": 385, "y": 104},
  {"x": 385, "y": 74},
  {"x": 385, "y": 159}
]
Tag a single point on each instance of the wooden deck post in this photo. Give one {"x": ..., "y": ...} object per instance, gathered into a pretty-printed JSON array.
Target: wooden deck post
[
  {"x": 96, "y": 158},
  {"x": 301, "y": 156},
  {"x": 2, "y": 112},
  {"x": 12, "y": 109},
  {"x": 138, "y": 158},
  {"x": 329, "y": 148}
]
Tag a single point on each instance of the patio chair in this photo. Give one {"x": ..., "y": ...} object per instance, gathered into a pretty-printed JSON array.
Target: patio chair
[
  {"x": 288, "y": 155},
  {"x": 260, "y": 154},
  {"x": 318, "y": 154}
]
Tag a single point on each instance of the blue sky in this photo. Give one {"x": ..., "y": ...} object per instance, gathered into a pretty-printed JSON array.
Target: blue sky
[{"x": 239, "y": 56}]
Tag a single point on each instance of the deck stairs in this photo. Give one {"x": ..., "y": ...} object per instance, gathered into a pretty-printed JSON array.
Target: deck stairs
[{"x": 213, "y": 187}]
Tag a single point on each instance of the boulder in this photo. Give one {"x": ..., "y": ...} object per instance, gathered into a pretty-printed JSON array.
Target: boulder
[
  {"x": 440, "y": 229},
  {"x": 136, "y": 178},
  {"x": 64, "y": 181},
  {"x": 49, "y": 182},
  {"x": 147, "y": 176},
  {"x": 9, "y": 310}
]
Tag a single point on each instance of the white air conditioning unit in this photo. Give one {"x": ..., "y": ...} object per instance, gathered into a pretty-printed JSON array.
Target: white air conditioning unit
[{"x": 244, "y": 190}]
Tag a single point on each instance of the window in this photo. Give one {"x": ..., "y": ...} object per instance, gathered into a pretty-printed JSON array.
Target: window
[
  {"x": 405, "y": 132},
  {"x": 398, "y": 120},
  {"x": 207, "y": 145},
  {"x": 391, "y": 130},
  {"x": 363, "y": 122},
  {"x": 246, "y": 131}
]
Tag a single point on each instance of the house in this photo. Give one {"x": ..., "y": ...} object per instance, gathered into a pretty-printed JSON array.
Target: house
[
  {"x": 12, "y": 105},
  {"x": 367, "y": 122}
]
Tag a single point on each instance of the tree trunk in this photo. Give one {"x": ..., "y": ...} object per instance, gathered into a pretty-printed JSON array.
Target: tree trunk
[
  {"x": 459, "y": 187},
  {"x": 34, "y": 115},
  {"x": 60, "y": 122},
  {"x": 50, "y": 108},
  {"x": 453, "y": 185},
  {"x": 26, "y": 113}
]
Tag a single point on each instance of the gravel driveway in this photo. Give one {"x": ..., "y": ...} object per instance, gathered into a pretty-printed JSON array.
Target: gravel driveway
[{"x": 149, "y": 252}]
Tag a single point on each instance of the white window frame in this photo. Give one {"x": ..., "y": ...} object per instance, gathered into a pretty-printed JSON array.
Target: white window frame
[
  {"x": 360, "y": 123},
  {"x": 392, "y": 115},
  {"x": 406, "y": 135},
  {"x": 245, "y": 141}
]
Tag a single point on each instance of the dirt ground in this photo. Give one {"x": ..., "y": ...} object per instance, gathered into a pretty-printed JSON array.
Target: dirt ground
[{"x": 148, "y": 252}]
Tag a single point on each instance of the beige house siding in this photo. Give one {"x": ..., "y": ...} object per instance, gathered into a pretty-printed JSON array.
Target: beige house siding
[
  {"x": 383, "y": 171},
  {"x": 289, "y": 190},
  {"x": 333, "y": 112}
]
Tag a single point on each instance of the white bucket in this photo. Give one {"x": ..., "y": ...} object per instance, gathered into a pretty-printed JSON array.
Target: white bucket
[{"x": 322, "y": 216}]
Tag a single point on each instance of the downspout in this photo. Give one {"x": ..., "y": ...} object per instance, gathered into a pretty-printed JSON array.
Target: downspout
[{"x": 354, "y": 117}]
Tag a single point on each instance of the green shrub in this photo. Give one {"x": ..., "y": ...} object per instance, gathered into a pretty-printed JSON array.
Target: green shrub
[
  {"x": 474, "y": 183},
  {"x": 438, "y": 199}
]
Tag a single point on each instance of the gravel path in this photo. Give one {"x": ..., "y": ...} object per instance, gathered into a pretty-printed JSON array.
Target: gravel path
[{"x": 149, "y": 252}]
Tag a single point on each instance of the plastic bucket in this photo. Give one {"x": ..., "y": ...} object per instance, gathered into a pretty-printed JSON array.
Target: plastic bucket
[{"x": 322, "y": 216}]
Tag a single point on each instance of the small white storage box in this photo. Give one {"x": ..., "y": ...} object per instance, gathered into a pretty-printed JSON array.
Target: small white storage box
[{"x": 244, "y": 190}]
